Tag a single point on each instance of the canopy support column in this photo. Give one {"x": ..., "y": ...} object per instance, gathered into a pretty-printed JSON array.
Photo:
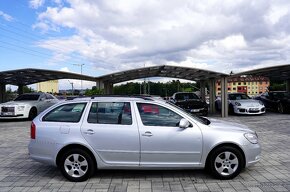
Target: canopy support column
[
  {"x": 2, "y": 93},
  {"x": 20, "y": 89},
  {"x": 202, "y": 90},
  {"x": 224, "y": 96},
  {"x": 211, "y": 95},
  {"x": 108, "y": 88},
  {"x": 288, "y": 85}
]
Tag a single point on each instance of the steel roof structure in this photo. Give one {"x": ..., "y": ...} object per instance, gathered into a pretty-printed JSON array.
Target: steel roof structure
[
  {"x": 279, "y": 72},
  {"x": 30, "y": 76},
  {"x": 187, "y": 73}
]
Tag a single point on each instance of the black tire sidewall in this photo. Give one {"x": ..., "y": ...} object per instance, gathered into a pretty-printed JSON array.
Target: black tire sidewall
[
  {"x": 32, "y": 113},
  {"x": 89, "y": 159},
  {"x": 220, "y": 150}
]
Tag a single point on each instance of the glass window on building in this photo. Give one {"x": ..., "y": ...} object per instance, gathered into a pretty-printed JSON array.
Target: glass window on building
[
  {"x": 234, "y": 88},
  {"x": 245, "y": 83},
  {"x": 234, "y": 83},
  {"x": 239, "y": 83}
]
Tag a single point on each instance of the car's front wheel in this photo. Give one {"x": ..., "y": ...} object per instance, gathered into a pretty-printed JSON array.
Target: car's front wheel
[
  {"x": 226, "y": 162},
  {"x": 77, "y": 165}
]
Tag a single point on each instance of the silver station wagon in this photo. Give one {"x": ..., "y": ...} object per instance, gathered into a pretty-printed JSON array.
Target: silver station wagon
[{"x": 109, "y": 132}]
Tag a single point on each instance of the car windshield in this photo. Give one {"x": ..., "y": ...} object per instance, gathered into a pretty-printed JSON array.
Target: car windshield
[
  {"x": 202, "y": 120},
  {"x": 27, "y": 97},
  {"x": 185, "y": 96},
  {"x": 281, "y": 95},
  {"x": 238, "y": 97}
]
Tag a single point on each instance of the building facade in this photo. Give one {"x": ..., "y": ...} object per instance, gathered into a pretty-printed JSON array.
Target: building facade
[
  {"x": 47, "y": 86},
  {"x": 249, "y": 85}
]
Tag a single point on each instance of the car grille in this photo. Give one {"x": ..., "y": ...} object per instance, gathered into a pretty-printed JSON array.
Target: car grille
[{"x": 7, "y": 109}]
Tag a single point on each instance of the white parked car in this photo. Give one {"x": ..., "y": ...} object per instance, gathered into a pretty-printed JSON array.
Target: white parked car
[
  {"x": 27, "y": 106},
  {"x": 240, "y": 103}
]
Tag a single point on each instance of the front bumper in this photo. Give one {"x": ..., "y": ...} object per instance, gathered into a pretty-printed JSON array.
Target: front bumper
[
  {"x": 252, "y": 154},
  {"x": 249, "y": 110}
]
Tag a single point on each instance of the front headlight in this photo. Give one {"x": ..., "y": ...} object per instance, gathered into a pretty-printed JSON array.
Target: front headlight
[
  {"x": 253, "y": 138},
  {"x": 237, "y": 104},
  {"x": 20, "y": 108}
]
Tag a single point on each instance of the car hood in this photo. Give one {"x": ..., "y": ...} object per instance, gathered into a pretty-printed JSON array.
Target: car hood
[
  {"x": 225, "y": 125},
  {"x": 247, "y": 102},
  {"x": 18, "y": 103}
]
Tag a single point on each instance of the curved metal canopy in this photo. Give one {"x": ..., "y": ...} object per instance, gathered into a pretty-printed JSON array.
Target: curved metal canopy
[
  {"x": 30, "y": 76},
  {"x": 161, "y": 71},
  {"x": 280, "y": 72}
]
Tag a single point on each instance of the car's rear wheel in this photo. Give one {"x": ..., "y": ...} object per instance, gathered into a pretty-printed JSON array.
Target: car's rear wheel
[
  {"x": 77, "y": 165},
  {"x": 32, "y": 113},
  {"x": 226, "y": 162},
  {"x": 281, "y": 108}
]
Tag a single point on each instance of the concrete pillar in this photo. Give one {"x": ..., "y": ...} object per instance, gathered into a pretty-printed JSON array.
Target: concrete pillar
[
  {"x": 202, "y": 90},
  {"x": 108, "y": 88},
  {"x": 288, "y": 85},
  {"x": 20, "y": 89},
  {"x": 100, "y": 84},
  {"x": 2, "y": 93},
  {"x": 212, "y": 95},
  {"x": 224, "y": 96}
]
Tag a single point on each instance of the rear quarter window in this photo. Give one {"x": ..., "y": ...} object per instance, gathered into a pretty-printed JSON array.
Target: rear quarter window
[{"x": 66, "y": 113}]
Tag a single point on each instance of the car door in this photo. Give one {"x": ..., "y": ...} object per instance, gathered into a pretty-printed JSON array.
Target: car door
[
  {"x": 163, "y": 143},
  {"x": 266, "y": 98},
  {"x": 111, "y": 129}
]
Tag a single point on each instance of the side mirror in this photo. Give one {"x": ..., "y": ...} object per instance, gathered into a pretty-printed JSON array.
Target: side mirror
[{"x": 184, "y": 124}]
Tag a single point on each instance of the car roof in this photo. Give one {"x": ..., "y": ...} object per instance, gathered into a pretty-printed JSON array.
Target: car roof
[{"x": 123, "y": 98}]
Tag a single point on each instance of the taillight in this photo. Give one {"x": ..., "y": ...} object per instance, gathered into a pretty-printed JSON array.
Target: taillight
[{"x": 32, "y": 131}]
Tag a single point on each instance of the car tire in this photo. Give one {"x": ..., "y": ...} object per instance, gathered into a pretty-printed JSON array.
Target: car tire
[
  {"x": 77, "y": 165},
  {"x": 32, "y": 113},
  {"x": 281, "y": 108},
  {"x": 231, "y": 109},
  {"x": 226, "y": 162}
]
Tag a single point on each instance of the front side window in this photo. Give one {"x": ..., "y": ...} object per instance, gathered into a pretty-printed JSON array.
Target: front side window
[
  {"x": 110, "y": 113},
  {"x": 155, "y": 115},
  {"x": 66, "y": 113}
]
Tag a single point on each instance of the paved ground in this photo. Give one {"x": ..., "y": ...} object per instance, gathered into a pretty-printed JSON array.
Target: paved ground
[{"x": 272, "y": 173}]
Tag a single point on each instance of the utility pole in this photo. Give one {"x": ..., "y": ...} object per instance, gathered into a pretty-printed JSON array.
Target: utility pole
[
  {"x": 80, "y": 65},
  {"x": 72, "y": 87}
]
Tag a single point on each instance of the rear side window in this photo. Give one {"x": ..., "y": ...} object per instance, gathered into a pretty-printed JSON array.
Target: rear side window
[
  {"x": 66, "y": 113},
  {"x": 110, "y": 113}
]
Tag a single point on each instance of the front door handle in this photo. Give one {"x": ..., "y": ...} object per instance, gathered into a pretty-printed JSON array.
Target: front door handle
[
  {"x": 147, "y": 134},
  {"x": 89, "y": 132}
]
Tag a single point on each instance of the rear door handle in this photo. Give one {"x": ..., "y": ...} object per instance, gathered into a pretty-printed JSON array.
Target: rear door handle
[
  {"x": 147, "y": 134},
  {"x": 89, "y": 132}
]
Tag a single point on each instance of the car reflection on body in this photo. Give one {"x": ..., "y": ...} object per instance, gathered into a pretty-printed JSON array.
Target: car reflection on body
[{"x": 240, "y": 103}]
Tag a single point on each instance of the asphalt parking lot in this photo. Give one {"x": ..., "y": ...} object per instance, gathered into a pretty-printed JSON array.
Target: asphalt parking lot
[{"x": 272, "y": 173}]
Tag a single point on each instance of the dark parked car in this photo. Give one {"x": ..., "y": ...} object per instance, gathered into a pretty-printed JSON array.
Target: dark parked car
[
  {"x": 190, "y": 102},
  {"x": 276, "y": 100}
]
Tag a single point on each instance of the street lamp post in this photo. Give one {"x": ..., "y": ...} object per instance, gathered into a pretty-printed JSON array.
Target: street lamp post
[{"x": 81, "y": 65}]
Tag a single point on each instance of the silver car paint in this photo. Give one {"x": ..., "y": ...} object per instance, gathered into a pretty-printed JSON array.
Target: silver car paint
[{"x": 157, "y": 151}]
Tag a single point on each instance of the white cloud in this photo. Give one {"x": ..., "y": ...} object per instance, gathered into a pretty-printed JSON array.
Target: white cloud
[
  {"x": 6, "y": 16},
  {"x": 35, "y": 4},
  {"x": 119, "y": 35}
]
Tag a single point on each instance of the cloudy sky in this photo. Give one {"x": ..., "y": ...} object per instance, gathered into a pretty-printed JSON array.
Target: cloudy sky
[{"x": 114, "y": 35}]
